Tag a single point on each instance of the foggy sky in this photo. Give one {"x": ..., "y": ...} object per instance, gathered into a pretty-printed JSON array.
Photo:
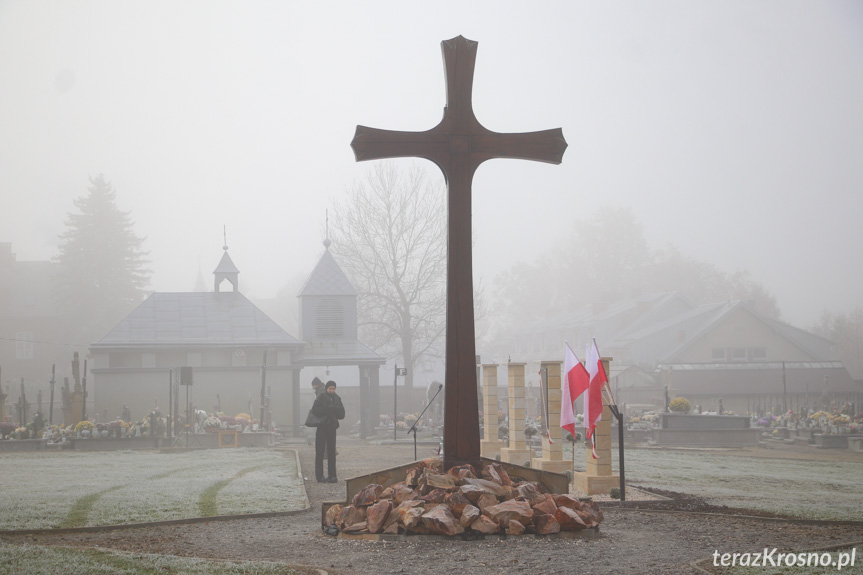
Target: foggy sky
[{"x": 733, "y": 130}]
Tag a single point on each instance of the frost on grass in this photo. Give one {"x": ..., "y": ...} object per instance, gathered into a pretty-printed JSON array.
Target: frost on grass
[
  {"x": 132, "y": 487},
  {"x": 810, "y": 489},
  {"x": 38, "y": 560}
]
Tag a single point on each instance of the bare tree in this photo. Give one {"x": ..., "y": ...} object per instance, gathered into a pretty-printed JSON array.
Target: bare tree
[{"x": 390, "y": 238}]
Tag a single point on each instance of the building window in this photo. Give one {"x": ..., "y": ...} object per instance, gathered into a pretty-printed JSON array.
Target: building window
[
  {"x": 24, "y": 345},
  {"x": 330, "y": 319},
  {"x": 758, "y": 353},
  {"x": 148, "y": 359}
]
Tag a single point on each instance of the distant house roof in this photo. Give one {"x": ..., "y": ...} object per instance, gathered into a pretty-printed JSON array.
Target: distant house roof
[
  {"x": 327, "y": 279},
  {"x": 622, "y": 314},
  {"x": 196, "y": 319},
  {"x": 700, "y": 320}
]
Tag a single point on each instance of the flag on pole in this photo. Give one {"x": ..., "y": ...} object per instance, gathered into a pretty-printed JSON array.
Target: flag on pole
[
  {"x": 593, "y": 395},
  {"x": 575, "y": 383}
]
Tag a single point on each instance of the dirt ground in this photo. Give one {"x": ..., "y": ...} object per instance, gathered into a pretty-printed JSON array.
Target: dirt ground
[{"x": 640, "y": 541}]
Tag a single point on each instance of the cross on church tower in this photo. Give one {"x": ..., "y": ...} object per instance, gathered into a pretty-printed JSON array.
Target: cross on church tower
[{"x": 458, "y": 145}]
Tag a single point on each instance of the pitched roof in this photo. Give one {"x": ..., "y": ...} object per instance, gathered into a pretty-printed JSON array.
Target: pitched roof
[
  {"x": 327, "y": 279},
  {"x": 226, "y": 265},
  {"x": 196, "y": 319},
  {"x": 700, "y": 320},
  {"x": 623, "y": 314}
]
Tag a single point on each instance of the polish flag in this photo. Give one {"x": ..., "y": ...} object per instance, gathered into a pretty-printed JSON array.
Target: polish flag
[
  {"x": 575, "y": 384},
  {"x": 593, "y": 395}
]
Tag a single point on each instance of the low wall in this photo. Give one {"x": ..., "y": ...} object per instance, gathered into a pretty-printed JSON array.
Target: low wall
[
  {"x": 23, "y": 445},
  {"x": 707, "y": 437},
  {"x": 701, "y": 422},
  {"x": 830, "y": 441}
]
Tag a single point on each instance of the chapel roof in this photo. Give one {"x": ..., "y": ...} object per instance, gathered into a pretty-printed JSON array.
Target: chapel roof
[
  {"x": 196, "y": 319},
  {"x": 327, "y": 279}
]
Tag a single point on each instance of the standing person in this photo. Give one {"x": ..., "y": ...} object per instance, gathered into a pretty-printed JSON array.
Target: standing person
[
  {"x": 317, "y": 386},
  {"x": 328, "y": 405}
]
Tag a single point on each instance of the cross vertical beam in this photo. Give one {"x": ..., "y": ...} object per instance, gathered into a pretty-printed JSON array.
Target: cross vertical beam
[{"x": 458, "y": 145}]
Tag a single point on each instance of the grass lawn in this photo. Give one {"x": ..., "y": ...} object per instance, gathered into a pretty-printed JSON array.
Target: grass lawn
[
  {"x": 40, "y": 560},
  {"x": 78, "y": 489},
  {"x": 806, "y": 489}
]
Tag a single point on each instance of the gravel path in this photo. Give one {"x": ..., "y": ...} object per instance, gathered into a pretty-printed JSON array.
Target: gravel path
[{"x": 631, "y": 541}]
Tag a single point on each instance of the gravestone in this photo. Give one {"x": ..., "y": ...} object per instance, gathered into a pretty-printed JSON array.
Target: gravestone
[{"x": 458, "y": 145}]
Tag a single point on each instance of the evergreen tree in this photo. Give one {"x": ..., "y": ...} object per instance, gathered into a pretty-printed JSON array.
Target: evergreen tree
[{"x": 101, "y": 271}]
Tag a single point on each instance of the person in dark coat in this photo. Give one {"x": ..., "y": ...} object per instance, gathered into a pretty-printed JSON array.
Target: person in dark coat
[{"x": 327, "y": 405}]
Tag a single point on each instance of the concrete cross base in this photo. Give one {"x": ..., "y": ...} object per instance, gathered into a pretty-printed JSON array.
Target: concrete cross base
[
  {"x": 555, "y": 465},
  {"x": 515, "y": 456},
  {"x": 490, "y": 448},
  {"x": 594, "y": 484}
]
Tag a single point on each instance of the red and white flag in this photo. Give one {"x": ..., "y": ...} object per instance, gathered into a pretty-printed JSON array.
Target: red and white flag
[
  {"x": 593, "y": 395},
  {"x": 574, "y": 385}
]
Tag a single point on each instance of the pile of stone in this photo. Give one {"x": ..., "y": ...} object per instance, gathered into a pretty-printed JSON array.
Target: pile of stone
[{"x": 430, "y": 501}]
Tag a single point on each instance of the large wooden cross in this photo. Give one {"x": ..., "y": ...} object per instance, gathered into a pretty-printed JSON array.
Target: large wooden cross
[{"x": 458, "y": 145}]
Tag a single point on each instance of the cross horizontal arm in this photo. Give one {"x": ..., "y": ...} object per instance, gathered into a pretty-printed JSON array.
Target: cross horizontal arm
[
  {"x": 375, "y": 144},
  {"x": 543, "y": 146}
]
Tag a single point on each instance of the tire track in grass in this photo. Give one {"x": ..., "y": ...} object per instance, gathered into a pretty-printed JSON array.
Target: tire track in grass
[
  {"x": 81, "y": 509},
  {"x": 207, "y": 503},
  {"x": 77, "y": 516}
]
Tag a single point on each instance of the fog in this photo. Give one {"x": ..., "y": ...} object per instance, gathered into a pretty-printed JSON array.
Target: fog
[{"x": 733, "y": 130}]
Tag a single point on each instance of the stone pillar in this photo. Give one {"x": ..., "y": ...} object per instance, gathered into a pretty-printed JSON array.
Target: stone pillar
[
  {"x": 3, "y": 411},
  {"x": 517, "y": 453},
  {"x": 552, "y": 452},
  {"x": 598, "y": 478},
  {"x": 490, "y": 446}
]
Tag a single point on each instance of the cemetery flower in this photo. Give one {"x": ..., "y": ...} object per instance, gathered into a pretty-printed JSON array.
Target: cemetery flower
[
  {"x": 680, "y": 405},
  {"x": 212, "y": 422},
  {"x": 82, "y": 425}
]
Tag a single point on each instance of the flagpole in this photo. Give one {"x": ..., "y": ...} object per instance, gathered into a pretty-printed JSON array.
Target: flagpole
[{"x": 616, "y": 411}]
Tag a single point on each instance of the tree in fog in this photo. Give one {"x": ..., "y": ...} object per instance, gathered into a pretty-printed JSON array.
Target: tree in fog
[
  {"x": 101, "y": 271},
  {"x": 390, "y": 238},
  {"x": 846, "y": 331},
  {"x": 605, "y": 259},
  {"x": 701, "y": 282}
]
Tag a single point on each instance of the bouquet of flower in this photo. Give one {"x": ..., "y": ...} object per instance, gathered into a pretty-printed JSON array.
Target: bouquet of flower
[
  {"x": 212, "y": 422},
  {"x": 680, "y": 405},
  {"x": 82, "y": 425}
]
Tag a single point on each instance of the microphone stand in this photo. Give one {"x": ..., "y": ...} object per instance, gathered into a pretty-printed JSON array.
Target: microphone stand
[{"x": 414, "y": 426}]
